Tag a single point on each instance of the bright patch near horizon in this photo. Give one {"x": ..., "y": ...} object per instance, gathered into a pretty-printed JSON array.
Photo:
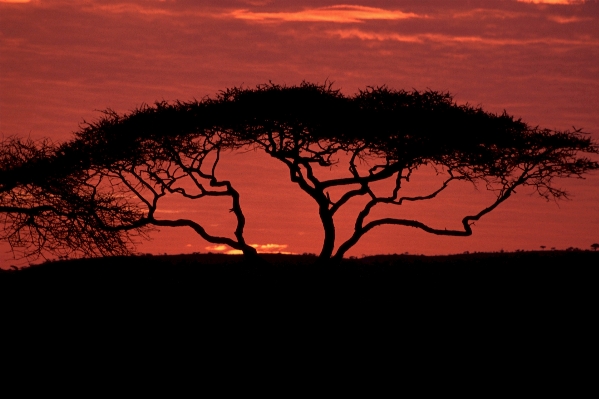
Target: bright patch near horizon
[
  {"x": 261, "y": 248},
  {"x": 217, "y": 248}
]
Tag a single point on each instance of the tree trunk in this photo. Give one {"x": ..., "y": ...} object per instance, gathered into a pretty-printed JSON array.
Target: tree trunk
[
  {"x": 249, "y": 253},
  {"x": 328, "y": 245}
]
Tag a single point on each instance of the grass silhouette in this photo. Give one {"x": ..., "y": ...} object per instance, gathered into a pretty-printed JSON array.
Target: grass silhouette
[
  {"x": 284, "y": 279},
  {"x": 220, "y": 309}
]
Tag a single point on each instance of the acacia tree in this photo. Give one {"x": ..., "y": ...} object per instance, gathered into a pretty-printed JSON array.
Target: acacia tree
[
  {"x": 110, "y": 180},
  {"x": 396, "y": 132},
  {"x": 127, "y": 164}
]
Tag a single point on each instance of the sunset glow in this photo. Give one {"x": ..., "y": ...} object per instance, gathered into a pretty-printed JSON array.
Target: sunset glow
[
  {"x": 538, "y": 60},
  {"x": 261, "y": 248},
  {"x": 339, "y": 14}
]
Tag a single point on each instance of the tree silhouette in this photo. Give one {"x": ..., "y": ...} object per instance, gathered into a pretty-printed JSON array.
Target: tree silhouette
[
  {"x": 46, "y": 205},
  {"x": 113, "y": 174},
  {"x": 395, "y": 133},
  {"x": 158, "y": 151},
  {"x": 108, "y": 183},
  {"x": 595, "y": 246}
]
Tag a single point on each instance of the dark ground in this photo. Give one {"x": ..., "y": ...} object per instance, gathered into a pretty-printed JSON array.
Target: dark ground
[
  {"x": 479, "y": 282},
  {"x": 525, "y": 309}
]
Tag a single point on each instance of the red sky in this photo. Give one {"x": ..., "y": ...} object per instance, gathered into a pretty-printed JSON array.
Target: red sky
[{"x": 539, "y": 60}]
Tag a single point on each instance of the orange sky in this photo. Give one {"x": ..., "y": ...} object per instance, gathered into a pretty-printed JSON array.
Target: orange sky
[{"x": 539, "y": 60}]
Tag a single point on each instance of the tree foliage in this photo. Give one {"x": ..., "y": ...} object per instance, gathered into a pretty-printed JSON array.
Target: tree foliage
[
  {"x": 49, "y": 204},
  {"x": 396, "y": 132},
  {"x": 109, "y": 180}
]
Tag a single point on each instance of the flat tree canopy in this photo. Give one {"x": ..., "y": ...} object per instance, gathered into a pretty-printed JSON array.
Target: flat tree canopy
[{"x": 127, "y": 163}]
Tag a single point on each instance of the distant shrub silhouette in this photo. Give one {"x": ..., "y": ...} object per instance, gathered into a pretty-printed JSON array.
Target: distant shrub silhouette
[{"x": 108, "y": 181}]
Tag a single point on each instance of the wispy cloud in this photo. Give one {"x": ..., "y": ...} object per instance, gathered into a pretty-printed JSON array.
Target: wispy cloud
[
  {"x": 269, "y": 247},
  {"x": 441, "y": 38},
  {"x": 218, "y": 248},
  {"x": 123, "y": 8},
  {"x": 567, "y": 20},
  {"x": 363, "y": 35},
  {"x": 15, "y": 1},
  {"x": 339, "y": 14},
  {"x": 552, "y": 1},
  {"x": 170, "y": 210},
  {"x": 261, "y": 248},
  {"x": 486, "y": 13}
]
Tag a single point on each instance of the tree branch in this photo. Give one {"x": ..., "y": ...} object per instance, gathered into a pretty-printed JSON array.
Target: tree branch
[{"x": 360, "y": 230}]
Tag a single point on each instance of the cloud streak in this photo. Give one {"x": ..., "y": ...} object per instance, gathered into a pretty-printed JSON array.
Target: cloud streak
[
  {"x": 261, "y": 248},
  {"x": 442, "y": 38},
  {"x": 563, "y": 2},
  {"x": 567, "y": 20},
  {"x": 336, "y": 14}
]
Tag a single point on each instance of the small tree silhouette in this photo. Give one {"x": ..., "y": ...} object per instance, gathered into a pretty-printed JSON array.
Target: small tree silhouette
[{"x": 594, "y": 246}]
